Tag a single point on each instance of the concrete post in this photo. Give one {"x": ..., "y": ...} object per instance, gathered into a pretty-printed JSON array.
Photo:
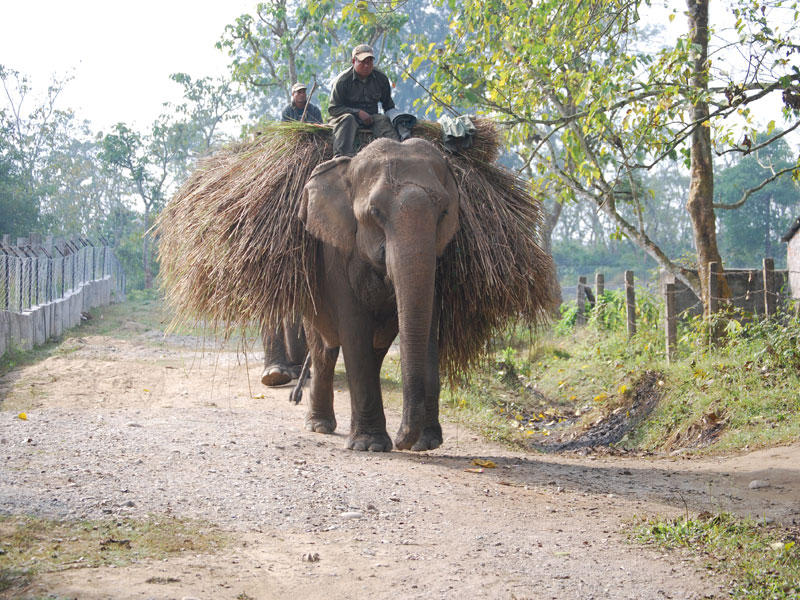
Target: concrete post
[{"x": 630, "y": 303}]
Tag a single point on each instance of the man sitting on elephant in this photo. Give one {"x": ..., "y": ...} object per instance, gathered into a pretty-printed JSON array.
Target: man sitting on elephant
[{"x": 354, "y": 103}]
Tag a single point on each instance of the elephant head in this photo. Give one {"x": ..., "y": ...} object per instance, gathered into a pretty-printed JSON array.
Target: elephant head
[{"x": 395, "y": 206}]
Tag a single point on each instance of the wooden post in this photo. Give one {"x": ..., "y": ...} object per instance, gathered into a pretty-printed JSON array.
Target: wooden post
[
  {"x": 630, "y": 303},
  {"x": 599, "y": 285},
  {"x": 6, "y": 279},
  {"x": 670, "y": 321},
  {"x": 580, "y": 298},
  {"x": 769, "y": 288}
]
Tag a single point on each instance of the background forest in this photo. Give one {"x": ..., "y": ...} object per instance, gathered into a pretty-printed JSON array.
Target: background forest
[{"x": 631, "y": 121}]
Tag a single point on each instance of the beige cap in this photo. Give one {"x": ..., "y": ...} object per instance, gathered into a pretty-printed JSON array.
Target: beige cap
[
  {"x": 298, "y": 86},
  {"x": 362, "y": 51}
]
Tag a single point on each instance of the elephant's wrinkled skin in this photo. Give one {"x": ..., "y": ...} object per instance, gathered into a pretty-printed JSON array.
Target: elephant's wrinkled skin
[{"x": 383, "y": 217}]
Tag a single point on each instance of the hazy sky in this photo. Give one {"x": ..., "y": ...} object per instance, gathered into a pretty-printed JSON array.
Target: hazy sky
[{"x": 120, "y": 53}]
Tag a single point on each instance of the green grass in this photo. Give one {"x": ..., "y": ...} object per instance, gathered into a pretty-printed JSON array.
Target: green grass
[
  {"x": 31, "y": 545},
  {"x": 761, "y": 561},
  {"x": 738, "y": 394}
]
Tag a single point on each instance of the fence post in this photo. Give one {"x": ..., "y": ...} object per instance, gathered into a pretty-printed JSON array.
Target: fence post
[
  {"x": 630, "y": 303},
  {"x": 35, "y": 278},
  {"x": 580, "y": 298},
  {"x": 599, "y": 285},
  {"x": 63, "y": 272},
  {"x": 670, "y": 321},
  {"x": 769, "y": 287},
  {"x": 48, "y": 245}
]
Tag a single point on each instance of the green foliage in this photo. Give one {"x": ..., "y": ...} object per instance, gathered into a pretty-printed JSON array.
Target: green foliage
[
  {"x": 19, "y": 210},
  {"x": 610, "y": 312},
  {"x": 310, "y": 41},
  {"x": 738, "y": 393},
  {"x": 753, "y": 231},
  {"x": 591, "y": 102},
  {"x": 763, "y": 562}
]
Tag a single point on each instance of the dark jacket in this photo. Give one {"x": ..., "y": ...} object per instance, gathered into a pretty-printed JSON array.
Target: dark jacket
[
  {"x": 350, "y": 94},
  {"x": 292, "y": 113}
]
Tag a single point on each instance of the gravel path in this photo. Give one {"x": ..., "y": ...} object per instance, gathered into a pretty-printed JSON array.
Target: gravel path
[{"x": 143, "y": 426}]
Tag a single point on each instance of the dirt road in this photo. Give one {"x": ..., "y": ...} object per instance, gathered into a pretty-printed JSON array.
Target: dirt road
[{"x": 143, "y": 426}]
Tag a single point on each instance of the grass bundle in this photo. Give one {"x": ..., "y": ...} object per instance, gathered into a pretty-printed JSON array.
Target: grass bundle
[{"x": 234, "y": 253}]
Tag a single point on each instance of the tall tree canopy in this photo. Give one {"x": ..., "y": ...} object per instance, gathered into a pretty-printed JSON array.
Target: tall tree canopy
[
  {"x": 592, "y": 104},
  {"x": 310, "y": 41}
]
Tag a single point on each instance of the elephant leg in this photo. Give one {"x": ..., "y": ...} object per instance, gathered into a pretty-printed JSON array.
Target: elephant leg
[
  {"x": 432, "y": 432},
  {"x": 276, "y": 368},
  {"x": 320, "y": 416},
  {"x": 296, "y": 347},
  {"x": 368, "y": 421}
]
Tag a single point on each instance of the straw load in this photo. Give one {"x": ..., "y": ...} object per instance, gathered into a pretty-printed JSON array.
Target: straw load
[{"x": 233, "y": 252}]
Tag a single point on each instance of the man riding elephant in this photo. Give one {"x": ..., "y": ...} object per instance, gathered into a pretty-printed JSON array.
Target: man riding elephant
[{"x": 354, "y": 103}]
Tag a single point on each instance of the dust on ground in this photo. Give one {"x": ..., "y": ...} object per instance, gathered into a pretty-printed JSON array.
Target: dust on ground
[{"x": 143, "y": 425}]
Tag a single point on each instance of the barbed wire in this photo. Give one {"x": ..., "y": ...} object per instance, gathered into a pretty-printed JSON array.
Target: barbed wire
[{"x": 35, "y": 274}]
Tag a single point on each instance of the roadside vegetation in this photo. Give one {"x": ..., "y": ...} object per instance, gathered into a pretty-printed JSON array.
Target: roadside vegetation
[
  {"x": 760, "y": 561},
  {"x": 553, "y": 389}
]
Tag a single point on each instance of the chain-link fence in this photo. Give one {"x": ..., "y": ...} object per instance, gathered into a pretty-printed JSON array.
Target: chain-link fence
[{"x": 33, "y": 273}]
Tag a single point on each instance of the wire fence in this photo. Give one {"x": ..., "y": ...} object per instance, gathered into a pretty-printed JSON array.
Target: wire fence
[{"x": 33, "y": 273}]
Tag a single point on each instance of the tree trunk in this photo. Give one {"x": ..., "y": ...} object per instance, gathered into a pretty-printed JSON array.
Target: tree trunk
[
  {"x": 701, "y": 187},
  {"x": 548, "y": 225}
]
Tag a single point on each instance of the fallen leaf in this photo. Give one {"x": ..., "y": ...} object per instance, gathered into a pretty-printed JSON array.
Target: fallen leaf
[
  {"x": 22, "y": 416},
  {"x": 480, "y": 462},
  {"x": 474, "y": 470},
  {"x": 259, "y": 396},
  {"x": 146, "y": 390}
]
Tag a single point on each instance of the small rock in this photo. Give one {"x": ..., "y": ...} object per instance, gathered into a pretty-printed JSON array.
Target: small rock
[
  {"x": 758, "y": 483},
  {"x": 354, "y": 514},
  {"x": 311, "y": 557},
  {"x": 133, "y": 424}
]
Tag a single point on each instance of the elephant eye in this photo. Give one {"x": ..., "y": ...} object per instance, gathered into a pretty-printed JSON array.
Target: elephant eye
[
  {"x": 373, "y": 210},
  {"x": 442, "y": 215}
]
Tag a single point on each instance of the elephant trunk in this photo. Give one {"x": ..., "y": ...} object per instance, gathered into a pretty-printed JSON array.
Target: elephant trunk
[{"x": 411, "y": 264}]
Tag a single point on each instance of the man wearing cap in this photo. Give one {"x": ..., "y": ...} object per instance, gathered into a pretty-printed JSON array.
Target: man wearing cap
[
  {"x": 294, "y": 110},
  {"x": 354, "y": 102}
]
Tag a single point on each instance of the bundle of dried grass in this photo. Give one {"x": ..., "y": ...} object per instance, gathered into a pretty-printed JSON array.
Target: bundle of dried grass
[{"x": 233, "y": 251}]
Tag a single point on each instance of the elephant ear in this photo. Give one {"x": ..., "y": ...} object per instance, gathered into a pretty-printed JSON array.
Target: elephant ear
[{"x": 326, "y": 209}]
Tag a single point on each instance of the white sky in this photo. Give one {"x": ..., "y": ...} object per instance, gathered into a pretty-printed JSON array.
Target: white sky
[{"x": 121, "y": 54}]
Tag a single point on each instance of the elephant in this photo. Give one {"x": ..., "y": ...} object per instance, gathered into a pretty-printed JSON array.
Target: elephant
[{"x": 382, "y": 219}]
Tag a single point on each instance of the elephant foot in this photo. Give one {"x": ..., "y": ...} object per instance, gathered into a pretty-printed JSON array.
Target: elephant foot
[
  {"x": 320, "y": 424},
  {"x": 406, "y": 439},
  {"x": 373, "y": 442},
  {"x": 430, "y": 439}
]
